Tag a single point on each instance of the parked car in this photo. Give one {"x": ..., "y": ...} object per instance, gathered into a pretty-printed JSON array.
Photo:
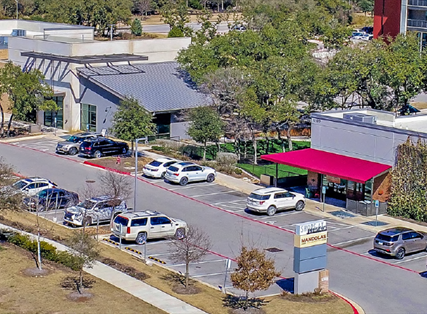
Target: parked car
[
  {"x": 157, "y": 168},
  {"x": 399, "y": 241},
  {"x": 33, "y": 185},
  {"x": 357, "y": 35},
  {"x": 72, "y": 144},
  {"x": 51, "y": 199},
  {"x": 102, "y": 146},
  {"x": 366, "y": 37},
  {"x": 143, "y": 225},
  {"x": 270, "y": 200},
  {"x": 184, "y": 172},
  {"x": 95, "y": 210}
]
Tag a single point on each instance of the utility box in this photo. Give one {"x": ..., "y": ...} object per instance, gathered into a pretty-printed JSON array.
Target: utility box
[
  {"x": 324, "y": 280},
  {"x": 266, "y": 180},
  {"x": 35, "y": 128}
]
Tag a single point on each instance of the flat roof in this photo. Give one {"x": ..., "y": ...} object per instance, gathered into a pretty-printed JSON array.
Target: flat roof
[{"x": 85, "y": 59}]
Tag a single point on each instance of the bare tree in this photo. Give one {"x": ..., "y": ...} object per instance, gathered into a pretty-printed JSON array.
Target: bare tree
[
  {"x": 86, "y": 251},
  {"x": 116, "y": 185},
  {"x": 10, "y": 199},
  {"x": 254, "y": 272},
  {"x": 144, "y": 6},
  {"x": 192, "y": 248}
]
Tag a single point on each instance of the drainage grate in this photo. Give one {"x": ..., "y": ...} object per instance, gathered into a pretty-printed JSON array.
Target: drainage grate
[{"x": 273, "y": 250}]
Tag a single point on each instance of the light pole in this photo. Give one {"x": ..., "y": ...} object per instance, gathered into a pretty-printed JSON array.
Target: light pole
[
  {"x": 136, "y": 168},
  {"x": 17, "y": 6}
]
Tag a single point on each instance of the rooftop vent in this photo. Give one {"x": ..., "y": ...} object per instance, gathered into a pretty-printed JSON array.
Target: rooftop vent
[
  {"x": 360, "y": 117},
  {"x": 19, "y": 33}
]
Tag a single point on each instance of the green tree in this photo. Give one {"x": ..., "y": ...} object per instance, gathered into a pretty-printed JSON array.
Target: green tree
[
  {"x": 175, "y": 14},
  {"x": 254, "y": 272},
  {"x": 27, "y": 91},
  {"x": 132, "y": 121},
  {"x": 136, "y": 28},
  {"x": 206, "y": 125}
]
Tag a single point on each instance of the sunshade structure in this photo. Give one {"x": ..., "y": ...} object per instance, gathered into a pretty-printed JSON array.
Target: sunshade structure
[{"x": 344, "y": 167}]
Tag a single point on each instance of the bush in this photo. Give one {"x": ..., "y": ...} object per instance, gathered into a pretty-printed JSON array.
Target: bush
[
  {"x": 69, "y": 260},
  {"x": 238, "y": 171},
  {"x": 226, "y": 159},
  {"x": 136, "y": 28},
  {"x": 175, "y": 32}
]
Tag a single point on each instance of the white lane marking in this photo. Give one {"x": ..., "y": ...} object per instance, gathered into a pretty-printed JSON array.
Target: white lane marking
[
  {"x": 350, "y": 241},
  {"x": 410, "y": 259},
  {"x": 203, "y": 262},
  {"x": 207, "y": 275},
  {"x": 231, "y": 202},
  {"x": 343, "y": 228},
  {"x": 215, "y": 193}
]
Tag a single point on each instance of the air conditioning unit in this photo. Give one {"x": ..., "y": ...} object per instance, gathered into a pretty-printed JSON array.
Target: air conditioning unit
[
  {"x": 19, "y": 33},
  {"x": 360, "y": 117}
]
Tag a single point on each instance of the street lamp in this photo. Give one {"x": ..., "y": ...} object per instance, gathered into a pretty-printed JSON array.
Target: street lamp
[
  {"x": 17, "y": 6},
  {"x": 136, "y": 168}
]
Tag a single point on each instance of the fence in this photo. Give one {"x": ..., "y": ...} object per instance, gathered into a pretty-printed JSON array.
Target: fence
[{"x": 365, "y": 208}]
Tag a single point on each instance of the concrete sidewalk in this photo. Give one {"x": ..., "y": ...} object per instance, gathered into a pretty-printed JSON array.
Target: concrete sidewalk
[{"x": 133, "y": 286}]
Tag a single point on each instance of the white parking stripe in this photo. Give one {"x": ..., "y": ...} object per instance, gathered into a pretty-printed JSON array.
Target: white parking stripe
[
  {"x": 203, "y": 262},
  {"x": 343, "y": 228},
  {"x": 207, "y": 275},
  {"x": 410, "y": 259},
  {"x": 231, "y": 202},
  {"x": 216, "y": 193},
  {"x": 350, "y": 241}
]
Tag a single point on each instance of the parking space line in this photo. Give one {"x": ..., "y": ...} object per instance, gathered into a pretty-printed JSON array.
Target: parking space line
[
  {"x": 216, "y": 193},
  {"x": 343, "y": 228},
  {"x": 411, "y": 259},
  {"x": 203, "y": 262},
  {"x": 349, "y": 241},
  {"x": 207, "y": 275},
  {"x": 230, "y": 202}
]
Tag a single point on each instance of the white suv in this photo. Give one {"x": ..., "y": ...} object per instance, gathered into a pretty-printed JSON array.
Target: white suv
[
  {"x": 184, "y": 172},
  {"x": 32, "y": 186},
  {"x": 157, "y": 168},
  {"x": 143, "y": 225},
  {"x": 269, "y": 200}
]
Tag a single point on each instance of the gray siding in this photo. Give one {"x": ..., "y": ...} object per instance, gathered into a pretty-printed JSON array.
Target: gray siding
[{"x": 365, "y": 141}]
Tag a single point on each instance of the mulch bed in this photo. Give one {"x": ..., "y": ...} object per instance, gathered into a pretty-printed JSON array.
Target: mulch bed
[
  {"x": 125, "y": 269},
  {"x": 309, "y": 297},
  {"x": 181, "y": 289}
]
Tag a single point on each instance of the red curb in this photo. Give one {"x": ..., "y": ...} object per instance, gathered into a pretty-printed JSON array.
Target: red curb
[
  {"x": 106, "y": 168},
  {"x": 355, "y": 311}
]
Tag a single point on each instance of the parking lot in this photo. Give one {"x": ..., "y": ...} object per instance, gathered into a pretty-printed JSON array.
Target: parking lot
[{"x": 355, "y": 239}]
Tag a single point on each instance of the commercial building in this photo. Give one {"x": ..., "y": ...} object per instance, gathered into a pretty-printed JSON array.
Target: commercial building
[
  {"x": 352, "y": 152},
  {"x": 392, "y": 17},
  {"x": 89, "y": 77}
]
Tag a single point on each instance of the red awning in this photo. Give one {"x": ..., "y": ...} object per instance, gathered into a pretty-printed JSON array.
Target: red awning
[{"x": 330, "y": 164}]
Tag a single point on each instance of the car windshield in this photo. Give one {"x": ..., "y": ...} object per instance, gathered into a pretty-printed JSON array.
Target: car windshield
[
  {"x": 259, "y": 197},
  {"x": 173, "y": 169},
  {"x": 73, "y": 139},
  {"x": 387, "y": 238},
  {"x": 155, "y": 163},
  {"x": 20, "y": 184},
  {"x": 121, "y": 220},
  {"x": 87, "y": 204}
]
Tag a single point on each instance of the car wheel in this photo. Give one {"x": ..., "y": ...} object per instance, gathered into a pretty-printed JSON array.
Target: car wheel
[
  {"x": 210, "y": 178},
  {"x": 73, "y": 151},
  {"x": 180, "y": 233},
  {"x": 400, "y": 253},
  {"x": 183, "y": 181},
  {"x": 163, "y": 175},
  {"x": 141, "y": 238},
  {"x": 97, "y": 154},
  {"x": 300, "y": 205},
  {"x": 271, "y": 210}
]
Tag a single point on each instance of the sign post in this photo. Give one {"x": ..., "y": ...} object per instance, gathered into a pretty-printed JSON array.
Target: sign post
[
  {"x": 377, "y": 205},
  {"x": 323, "y": 197},
  {"x": 120, "y": 238},
  {"x": 227, "y": 267}
]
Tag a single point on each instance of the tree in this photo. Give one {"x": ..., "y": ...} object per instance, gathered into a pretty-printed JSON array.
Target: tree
[
  {"x": 86, "y": 250},
  {"x": 254, "y": 272},
  {"x": 192, "y": 248},
  {"x": 9, "y": 198},
  {"x": 115, "y": 185},
  {"x": 136, "y": 28},
  {"x": 27, "y": 92},
  {"x": 206, "y": 125},
  {"x": 175, "y": 14},
  {"x": 132, "y": 121}
]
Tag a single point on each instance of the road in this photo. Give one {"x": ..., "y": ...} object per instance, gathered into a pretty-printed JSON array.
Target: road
[{"x": 378, "y": 284}]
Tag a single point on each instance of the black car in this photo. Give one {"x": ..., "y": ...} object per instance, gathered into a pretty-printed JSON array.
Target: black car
[
  {"x": 72, "y": 144},
  {"x": 102, "y": 146},
  {"x": 51, "y": 199}
]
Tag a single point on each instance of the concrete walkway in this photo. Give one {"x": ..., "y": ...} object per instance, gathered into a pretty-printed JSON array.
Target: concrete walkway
[{"x": 133, "y": 286}]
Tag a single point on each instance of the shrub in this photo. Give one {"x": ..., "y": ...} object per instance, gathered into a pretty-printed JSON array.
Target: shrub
[
  {"x": 176, "y": 32},
  {"x": 136, "y": 28},
  {"x": 238, "y": 171},
  {"x": 226, "y": 159},
  {"x": 69, "y": 260},
  {"x": 18, "y": 239}
]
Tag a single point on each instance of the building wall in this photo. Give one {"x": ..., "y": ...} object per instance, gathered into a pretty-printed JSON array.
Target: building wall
[
  {"x": 387, "y": 16},
  {"x": 364, "y": 141}
]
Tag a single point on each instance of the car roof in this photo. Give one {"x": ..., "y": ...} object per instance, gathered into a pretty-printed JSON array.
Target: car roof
[
  {"x": 395, "y": 231},
  {"x": 35, "y": 179},
  {"x": 85, "y": 134},
  {"x": 269, "y": 190},
  {"x": 140, "y": 214},
  {"x": 102, "y": 198},
  {"x": 164, "y": 159}
]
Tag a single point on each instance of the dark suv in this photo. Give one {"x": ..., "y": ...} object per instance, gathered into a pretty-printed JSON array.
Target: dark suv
[
  {"x": 72, "y": 144},
  {"x": 51, "y": 199},
  {"x": 102, "y": 146},
  {"x": 399, "y": 241}
]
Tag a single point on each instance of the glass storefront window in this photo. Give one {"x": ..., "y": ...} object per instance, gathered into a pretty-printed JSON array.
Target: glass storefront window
[
  {"x": 368, "y": 190},
  {"x": 88, "y": 117},
  {"x": 49, "y": 116}
]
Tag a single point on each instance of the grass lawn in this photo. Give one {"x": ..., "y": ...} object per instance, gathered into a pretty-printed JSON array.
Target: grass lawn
[
  {"x": 284, "y": 170},
  {"x": 52, "y": 296}
]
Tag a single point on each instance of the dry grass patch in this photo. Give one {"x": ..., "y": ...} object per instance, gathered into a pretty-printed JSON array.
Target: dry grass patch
[{"x": 22, "y": 294}]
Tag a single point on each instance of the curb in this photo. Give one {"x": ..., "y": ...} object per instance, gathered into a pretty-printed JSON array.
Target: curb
[
  {"x": 88, "y": 163},
  {"x": 357, "y": 309}
]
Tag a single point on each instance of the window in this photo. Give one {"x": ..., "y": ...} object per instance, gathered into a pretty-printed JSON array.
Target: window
[
  {"x": 121, "y": 220},
  {"x": 406, "y": 236},
  {"x": 88, "y": 117},
  {"x": 259, "y": 197},
  {"x": 138, "y": 222},
  {"x": 197, "y": 168},
  {"x": 160, "y": 221},
  {"x": 50, "y": 116},
  {"x": 42, "y": 185},
  {"x": 167, "y": 164},
  {"x": 415, "y": 235}
]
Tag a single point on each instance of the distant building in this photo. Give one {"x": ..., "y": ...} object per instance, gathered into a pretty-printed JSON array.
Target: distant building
[
  {"x": 392, "y": 17},
  {"x": 90, "y": 77}
]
